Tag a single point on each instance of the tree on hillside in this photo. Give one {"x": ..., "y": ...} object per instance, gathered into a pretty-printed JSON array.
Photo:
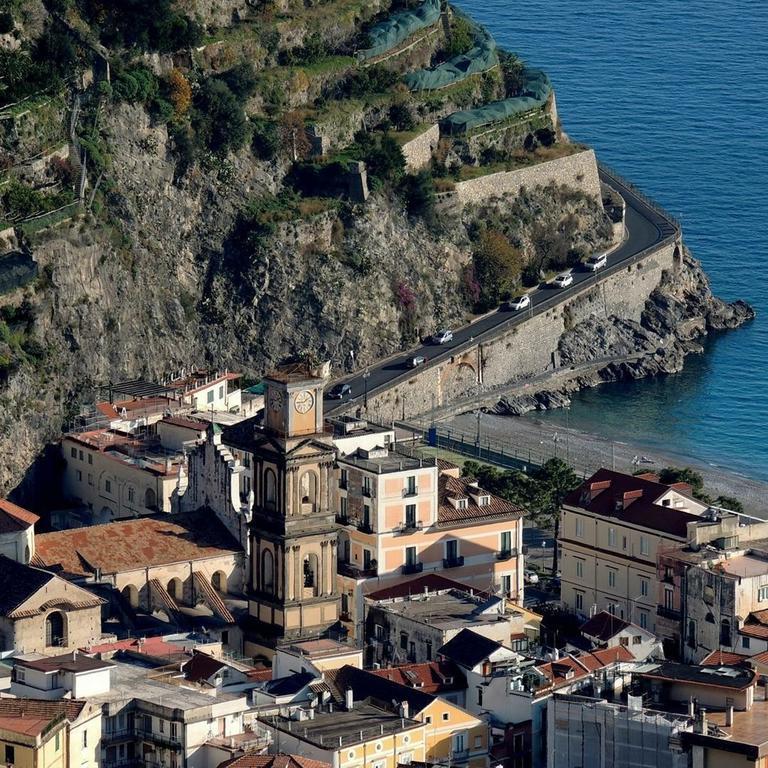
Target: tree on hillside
[
  {"x": 180, "y": 93},
  {"x": 219, "y": 119},
  {"x": 671, "y": 475},
  {"x": 497, "y": 266},
  {"x": 293, "y": 137}
]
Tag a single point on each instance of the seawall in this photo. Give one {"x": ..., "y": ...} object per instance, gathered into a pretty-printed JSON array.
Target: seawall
[{"x": 528, "y": 349}]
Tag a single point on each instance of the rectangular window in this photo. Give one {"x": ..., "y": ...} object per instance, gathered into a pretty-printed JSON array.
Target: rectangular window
[
  {"x": 410, "y": 555},
  {"x": 221, "y": 392},
  {"x": 366, "y": 515},
  {"x": 479, "y": 695},
  {"x": 611, "y": 537},
  {"x": 506, "y": 541},
  {"x": 367, "y": 558},
  {"x": 462, "y": 504},
  {"x": 73, "y": 454},
  {"x": 404, "y": 640},
  {"x": 20, "y": 674},
  {"x": 108, "y": 486},
  {"x": 90, "y": 458},
  {"x": 428, "y": 649},
  {"x": 762, "y": 594},
  {"x": 643, "y": 545},
  {"x": 80, "y": 455},
  {"x": 412, "y": 651},
  {"x": 131, "y": 494},
  {"x": 85, "y": 739},
  {"x": 579, "y": 601},
  {"x": 90, "y": 478},
  {"x": 57, "y": 742},
  {"x": 210, "y": 396},
  {"x": 579, "y": 569},
  {"x": 745, "y": 642},
  {"x": 411, "y": 485},
  {"x": 611, "y": 577},
  {"x": 637, "y": 640},
  {"x": 624, "y": 543},
  {"x": 175, "y": 730},
  {"x": 644, "y": 587},
  {"x": 379, "y": 630},
  {"x": 343, "y": 506},
  {"x": 343, "y": 480},
  {"x": 669, "y": 597},
  {"x": 79, "y": 475},
  {"x": 579, "y": 528},
  {"x": 506, "y": 584},
  {"x": 452, "y": 549},
  {"x": 410, "y": 515},
  {"x": 366, "y": 486},
  {"x": 459, "y": 742},
  {"x": 446, "y": 716},
  {"x": 10, "y": 754},
  {"x": 644, "y": 619}
]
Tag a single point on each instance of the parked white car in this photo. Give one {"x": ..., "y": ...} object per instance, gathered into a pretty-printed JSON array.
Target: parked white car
[
  {"x": 518, "y": 303},
  {"x": 531, "y": 577},
  {"x": 442, "y": 337},
  {"x": 598, "y": 261},
  {"x": 563, "y": 280}
]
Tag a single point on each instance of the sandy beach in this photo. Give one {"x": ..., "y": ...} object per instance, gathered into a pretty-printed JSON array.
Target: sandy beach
[{"x": 531, "y": 438}]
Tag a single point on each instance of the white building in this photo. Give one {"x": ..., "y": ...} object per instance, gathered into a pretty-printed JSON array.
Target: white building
[{"x": 72, "y": 675}]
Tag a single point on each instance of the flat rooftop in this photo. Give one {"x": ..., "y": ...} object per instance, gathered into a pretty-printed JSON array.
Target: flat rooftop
[
  {"x": 133, "y": 681},
  {"x": 342, "y": 728},
  {"x": 316, "y": 649},
  {"x": 449, "y": 609},
  {"x": 749, "y": 727},
  {"x": 745, "y": 566},
  {"x": 383, "y": 463}
]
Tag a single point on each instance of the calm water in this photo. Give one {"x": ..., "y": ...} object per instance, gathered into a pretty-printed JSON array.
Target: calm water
[{"x": 674, "y": 95}]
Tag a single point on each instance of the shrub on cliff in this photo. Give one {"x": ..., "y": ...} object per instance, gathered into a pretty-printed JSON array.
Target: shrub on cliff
[
  {"x": 218, "y": 118},
  {"x": 418, "y": 192},
  {"x": 497, "y": 267},
  {"x": 462, "y": 37}
]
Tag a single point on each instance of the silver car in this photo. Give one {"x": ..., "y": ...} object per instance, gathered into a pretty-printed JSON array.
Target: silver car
[
  {"x": 442, "y": 337},
  {"x": 598, "y": 261}
]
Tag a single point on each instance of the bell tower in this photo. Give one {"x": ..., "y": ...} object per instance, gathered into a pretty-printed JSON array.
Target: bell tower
[{"x": 293, "y": 592}]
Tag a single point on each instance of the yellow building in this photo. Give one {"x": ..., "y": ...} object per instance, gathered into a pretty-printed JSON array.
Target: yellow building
[{"x": 611, "y": 530}]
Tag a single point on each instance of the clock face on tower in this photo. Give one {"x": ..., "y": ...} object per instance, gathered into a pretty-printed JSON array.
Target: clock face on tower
[
  {"x": 304, "y": 401},
  {"x": 275, "y": 400}
]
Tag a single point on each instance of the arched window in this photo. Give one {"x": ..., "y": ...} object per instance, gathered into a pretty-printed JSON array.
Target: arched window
[
  {"x": 268, "y": 571},
  {"x": 55, "y": 633},
  {"x": 150, "y": 499},
  {"x": 311, "y": 574},
  {"x": 725, "y": 632},
  {"x": 219, "y": 582},
  {"x": 26, "y": 555},
  {"x": 176, "y": 589},
  {"x": 131, "y": 594},
  {"x": 309, "y": 489},
  {"x": 270, "y": 489}
]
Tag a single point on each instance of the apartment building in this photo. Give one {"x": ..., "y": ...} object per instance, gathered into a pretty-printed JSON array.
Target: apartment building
[
  {"x": 117, "y": 475},
  {"x": 74, "y": 675},
  {"x": 401, "y": 516},
  {"x": 49, "y": 734},
  {"x": 612, "y": 529}
]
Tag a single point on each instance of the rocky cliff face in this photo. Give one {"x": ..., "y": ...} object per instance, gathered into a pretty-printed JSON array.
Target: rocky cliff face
[{"x": 679, "y": 313}]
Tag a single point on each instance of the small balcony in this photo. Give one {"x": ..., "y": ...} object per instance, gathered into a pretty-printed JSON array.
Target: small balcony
[
  {"x": 506, "y": 554},
  {"x": 364, "y": 527},
  {"x": 368, "y": 492},
  {"x": 453, "y": 562},
  {"x": 346, "y": 568},
  {"x": 342, "y": 519},
  {"x": 668, "y": 613},
  {"x": 408, "y": 492},
  {"x": 459, "y": 755},
  {"x": 408, "y": 527},
  {"x": 344, "y": 484},
  {"x": 668, "y": 578},
  {"x": 410, "y": 568}
]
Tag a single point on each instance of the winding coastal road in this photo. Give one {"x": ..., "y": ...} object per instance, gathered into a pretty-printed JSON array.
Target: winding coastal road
[{"x": 647, "y": 227}]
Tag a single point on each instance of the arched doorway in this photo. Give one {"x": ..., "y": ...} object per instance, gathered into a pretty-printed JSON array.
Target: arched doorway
[
  {"x": 219, "y": 582},
  {"x": 55, "y": 629},
  {"x": 131, "y": 594},
  {"x": 150, "y": 499},
  {"x": 309, "y": 491},
  {"x": 176, "y": 589}
]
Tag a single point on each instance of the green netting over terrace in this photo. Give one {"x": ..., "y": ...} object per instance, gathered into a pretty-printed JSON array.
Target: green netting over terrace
[
  {"x": 388, "y": 34},
  {"x": 479, "y": 58},
  {"x": 536, "y": 90}
]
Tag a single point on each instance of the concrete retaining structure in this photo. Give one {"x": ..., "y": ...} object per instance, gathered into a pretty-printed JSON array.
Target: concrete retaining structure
[
  {"x": 527, "y": 349},
  {"x": 418, "y": 152},
  {"x": 577, "y": 171}
]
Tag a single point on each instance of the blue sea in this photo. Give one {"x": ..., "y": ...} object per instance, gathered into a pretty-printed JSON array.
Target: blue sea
[{"x": 674, "y": 95}]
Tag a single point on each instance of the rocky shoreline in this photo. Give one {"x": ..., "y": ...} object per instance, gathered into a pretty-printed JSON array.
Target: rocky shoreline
[{"x": 678, "y": 315}]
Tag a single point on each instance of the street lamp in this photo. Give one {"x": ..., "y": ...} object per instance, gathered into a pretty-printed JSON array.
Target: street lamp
[
  {"x": 366, "y": 374},
  {"x": 352, "y": 359},
  {"x": 478, "y": 413}
]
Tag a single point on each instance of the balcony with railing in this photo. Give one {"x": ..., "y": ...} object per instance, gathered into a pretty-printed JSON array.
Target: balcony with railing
[
  {"x": 668, "y": 613},
  {"x": 506, "y": 554},
  {"x": 164, "y": 739},
  {"x": 412, "y": 490},
  {"x": 342, "y": 519},
  {"x": 453, "y": 562},
  {"x": 407, "y": 527},
  {"x": 368, "y": 492},
  {"x": 364, "y": 526},
  {"x": 409, "y": 568},
  {"x": 354, "y": 571}
]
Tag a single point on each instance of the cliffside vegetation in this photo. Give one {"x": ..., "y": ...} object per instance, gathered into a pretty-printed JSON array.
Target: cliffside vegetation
[{"x": 180, "y": 172}]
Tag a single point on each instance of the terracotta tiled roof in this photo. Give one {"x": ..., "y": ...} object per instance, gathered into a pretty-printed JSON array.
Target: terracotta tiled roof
[
  {"x": 443, "y": 465},
  {"x": 428, "y": 581},
  {"x": 630, "y": 499},
  {"x": 603, "y": 626},
  {"x": 717, "y": 658},
  {"x": 69, "y": 708},
  {"x": 460, "y": 487},
  {"x": 127, "y": 545},
  {"x": 14, "y": 518},
  {"x": 273, "y": 761},
  {"x": 760, "y": 658},
  {"x": 201, "y": 667},
  {"x": 564, "y": 670},
  {"x": 431, "y": 677},
  {"x": 606, "y": 656}
]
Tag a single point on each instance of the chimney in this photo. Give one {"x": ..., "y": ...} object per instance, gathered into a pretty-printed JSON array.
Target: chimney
[
  {"x": 701, "y": 722},
  {"x": 729, "y": 716},
  {"x": 404, "y": 710},
  {"x": 349, "y": 699},
  {"x": 691, "y": 707}
]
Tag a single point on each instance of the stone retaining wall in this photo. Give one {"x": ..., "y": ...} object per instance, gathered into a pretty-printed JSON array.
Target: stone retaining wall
[
  {"x": 418, "y": 151},
  {"x": 526, "y": 350},
  {"x": 577, "y": 171}
]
